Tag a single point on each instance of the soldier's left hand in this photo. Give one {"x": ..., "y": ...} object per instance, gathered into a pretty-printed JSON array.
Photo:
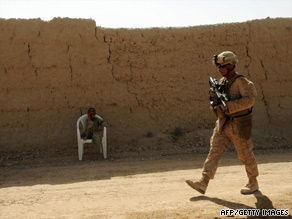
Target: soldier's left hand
[{"x": 211, "y": 94}]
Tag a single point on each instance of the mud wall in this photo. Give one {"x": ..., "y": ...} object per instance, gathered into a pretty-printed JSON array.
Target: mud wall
[{"x": 140, "y": 81}]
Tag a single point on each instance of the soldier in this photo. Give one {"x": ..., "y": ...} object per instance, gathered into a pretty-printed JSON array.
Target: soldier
[
  {"x": 233, "y": 125},
  {"x": 94, "y": 130}
]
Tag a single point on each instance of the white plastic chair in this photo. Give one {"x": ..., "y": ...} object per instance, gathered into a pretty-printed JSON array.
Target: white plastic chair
[{"x": 81, "y": 142}]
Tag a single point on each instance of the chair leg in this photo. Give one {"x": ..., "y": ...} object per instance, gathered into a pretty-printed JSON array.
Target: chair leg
[
  {"x": 104, "y": 150},
  {"x": 80, "y": 151},
  {"x": 104, "y": 143}
]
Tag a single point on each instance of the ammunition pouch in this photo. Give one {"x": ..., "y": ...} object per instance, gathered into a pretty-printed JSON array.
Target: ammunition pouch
[{"x": 243, "y": 124}]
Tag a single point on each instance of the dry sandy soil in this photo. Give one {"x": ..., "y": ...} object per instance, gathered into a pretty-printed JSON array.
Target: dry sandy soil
[{"x": 141, "y": 188}]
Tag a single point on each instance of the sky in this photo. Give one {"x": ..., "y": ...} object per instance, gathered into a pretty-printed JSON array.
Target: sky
[{"x": 148, "y": 13}]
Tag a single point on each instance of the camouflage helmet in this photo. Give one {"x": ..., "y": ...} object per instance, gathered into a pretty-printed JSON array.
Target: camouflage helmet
[{"x": 224, "y": 58}]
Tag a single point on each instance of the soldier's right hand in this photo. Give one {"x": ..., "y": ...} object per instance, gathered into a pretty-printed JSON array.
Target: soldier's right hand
[{"x": 221, "y": 108}]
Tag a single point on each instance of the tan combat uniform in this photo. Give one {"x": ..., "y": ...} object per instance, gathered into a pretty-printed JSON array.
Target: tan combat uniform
[{"x": 234, "y": 126}]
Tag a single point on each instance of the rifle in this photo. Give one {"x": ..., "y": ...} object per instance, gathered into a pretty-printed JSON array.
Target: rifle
[{"x": 219, "y": 90}]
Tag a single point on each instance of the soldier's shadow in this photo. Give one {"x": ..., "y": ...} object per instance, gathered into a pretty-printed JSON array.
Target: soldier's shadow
[{"x": 262, "y": 202}]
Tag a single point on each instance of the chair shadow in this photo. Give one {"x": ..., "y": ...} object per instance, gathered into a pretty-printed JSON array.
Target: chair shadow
[{"x": 262, "y": 202}]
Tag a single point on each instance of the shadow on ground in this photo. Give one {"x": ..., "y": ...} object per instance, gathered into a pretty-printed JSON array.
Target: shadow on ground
[
  {"x": 262, "y": 204},
  {"x": 90, "y": 170}
]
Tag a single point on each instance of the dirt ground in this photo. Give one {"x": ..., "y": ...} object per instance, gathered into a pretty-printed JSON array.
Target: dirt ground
[{"x": 141, "y": 188}]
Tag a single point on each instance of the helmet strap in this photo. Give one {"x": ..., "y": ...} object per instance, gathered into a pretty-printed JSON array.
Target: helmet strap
[{"x": 229, "y": 70}]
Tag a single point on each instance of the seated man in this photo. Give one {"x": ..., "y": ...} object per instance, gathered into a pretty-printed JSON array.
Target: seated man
[{"x": 94, "y": 130}]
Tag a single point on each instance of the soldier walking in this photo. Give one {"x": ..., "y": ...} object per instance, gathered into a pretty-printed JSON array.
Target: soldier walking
[{"x": 234, "y": 122}]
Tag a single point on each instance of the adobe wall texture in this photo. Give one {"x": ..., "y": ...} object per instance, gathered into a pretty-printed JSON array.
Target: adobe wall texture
[{"x": 141, "y": 81}]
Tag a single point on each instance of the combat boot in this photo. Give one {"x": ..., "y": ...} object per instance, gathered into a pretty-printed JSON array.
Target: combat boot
[
  {"x": 251, "y": 187},
  {"x": 200, "y": 185}
]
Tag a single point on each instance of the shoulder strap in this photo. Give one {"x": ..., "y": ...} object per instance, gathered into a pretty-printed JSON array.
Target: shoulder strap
[
  {"x": 229, "y": 83},
  {"x": 233, "y": 79}
]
